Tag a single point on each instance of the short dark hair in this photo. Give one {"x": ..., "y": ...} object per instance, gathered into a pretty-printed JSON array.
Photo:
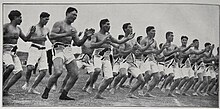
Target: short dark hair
[
  {"x": 44, "y": 14},
  {"x": 70, "y": 9},
  {"x": 195, "y": 40},
  {"x": 139, "y": 39},
  {"x": 14, "y": 13},
  {"x": 207, "y": 44},
  {"x": 125, "y": 26},
  {"x": 102, "y": 22},
  {"x": 182, "y": 37},
  {"x": 149, "y": 28},
  {"x": 168, "y": 33},
  {"x": 120, "y": 37},
  {"x": 161, "y": 44}
]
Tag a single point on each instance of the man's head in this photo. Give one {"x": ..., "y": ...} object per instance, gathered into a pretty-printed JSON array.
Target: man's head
[
  {"x": 196, "y": 43},
  {"x": 161, "y": 44},
  {"x": 104, "y": 25},
  {"x": 15, "y": 15},
  {"x": 139, "y": 38},
  {"x": 150, "y": 30},
  {"x": 127, "y": 28},
  {"x": 44, "y": 17},
  {"x": 169, "y": 36},
  {"x": 184, "y": 40},
  {"x": 71, "y": 14},
  {"x": 120, "y": 37},
  {"x": 207, "y": 46}
]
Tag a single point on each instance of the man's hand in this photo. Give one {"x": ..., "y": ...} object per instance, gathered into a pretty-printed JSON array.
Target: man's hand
[
  {"x": 71, "y": 33},
  {"x": 192, "y": 45},
  {"x": 131, "y": 36},
  {"x": 33, "y": 29},
  {"x": 212, "y": 47},
  {"x": 89, "y": 32}
]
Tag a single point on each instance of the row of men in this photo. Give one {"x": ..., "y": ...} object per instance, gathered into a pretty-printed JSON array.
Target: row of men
[{"x": 142, "y": 59}]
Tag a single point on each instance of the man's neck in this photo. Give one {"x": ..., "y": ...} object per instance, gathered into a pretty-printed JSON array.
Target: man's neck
[
  {"x": 13, "y": 24},
  {"x": 196, "y": 48},
  {"x": 40, "y": 25},
  {"x": 67, "y": 22},
  {"x": 102, "y": 31},
  {"x": 183, "y": 45}
]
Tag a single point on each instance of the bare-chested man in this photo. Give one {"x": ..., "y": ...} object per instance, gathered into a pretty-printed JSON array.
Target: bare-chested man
[
  {"x": 61, "y": 36},
  {"x": 103, "y": 41},
  {"x": 150, "y": 64},
  {"x": 11, "y": 33},
  {"x": 37, "y": 53},
  {"x": 127, "y": 51},
  {"x": 169, "y": 53}
]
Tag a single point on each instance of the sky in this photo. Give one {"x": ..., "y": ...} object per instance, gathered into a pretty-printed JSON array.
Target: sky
[{"x": 192, "y": 20}]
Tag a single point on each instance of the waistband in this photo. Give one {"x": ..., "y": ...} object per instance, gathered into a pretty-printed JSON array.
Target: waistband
[
  {"x": 57, "y": 44},
  {"x": 40, "y": 47}
]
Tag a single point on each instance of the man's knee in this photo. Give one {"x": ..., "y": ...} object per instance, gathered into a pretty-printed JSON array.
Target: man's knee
[
  {"x": 97, "y": 70},
  {"x": 30, "y": 67},
  {"x": 141, "y": 78},
  {"x": 74, "y": 75},
  {"x": 19, "y": 74},
  {"x": 11, "y": 67}
]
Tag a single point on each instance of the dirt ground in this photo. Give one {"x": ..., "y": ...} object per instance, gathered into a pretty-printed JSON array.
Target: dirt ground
[{"x": 83, "y": 99}]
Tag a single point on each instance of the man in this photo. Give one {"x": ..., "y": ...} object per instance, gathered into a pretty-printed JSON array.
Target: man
[
  {"x": 11, "y": 33},
  {"x": 182, "y": 60},
  {"x": 61, "y": 36},
  {"x": 196, "y": 60},
  {"x": 204, "y": 68},
  {"x": 127, "y": 50},
  {"x": 170, "y": 54},
  {"x": 150, "y": 64},
  {"x": 102, "y": 42},
  {"x": 37, "y": 53}
]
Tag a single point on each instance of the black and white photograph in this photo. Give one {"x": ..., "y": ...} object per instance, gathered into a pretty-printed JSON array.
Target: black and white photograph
[{"x": 111, "y": 54}]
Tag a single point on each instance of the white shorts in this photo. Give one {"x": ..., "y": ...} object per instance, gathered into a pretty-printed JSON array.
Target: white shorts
[
  {"x": 66, "y": 53},
  {"x": 107, "y": 69},
  {"x": 141, "y": 65},
  {"x": 134, "y": 69},
  {"x": 213, "y": 73},
  {"x": 151, "y": 66},
  {"x": 98, "y": 62},
  {"x": 177, "y": 73},
  {"x": 169, "y": 70},
  {"x": 188, "y": 72},
  {"x": 37, "y": 56},
  {"x": 161, "y": 68},
  {"x": 10, "y": 59}
]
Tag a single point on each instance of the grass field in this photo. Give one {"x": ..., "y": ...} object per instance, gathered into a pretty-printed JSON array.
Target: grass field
[{"x": 83, "y": 99}]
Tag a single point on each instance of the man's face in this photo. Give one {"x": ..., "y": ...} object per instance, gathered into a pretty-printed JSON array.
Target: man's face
[
  {"x": 207, "y": 48},
  {"x": 170, "y": 37},
  {"x": 129, "y": 29},
  {"x": 184, "y": 41},
  {"x": 106, "y": 26},
  {"x": 18, "y": 20},
  {"x": 72, "y": 16},
  {"x": 196, "y": 44},
  {"x": 44, "y": 20},
  {"x": 152, "y": 33}
]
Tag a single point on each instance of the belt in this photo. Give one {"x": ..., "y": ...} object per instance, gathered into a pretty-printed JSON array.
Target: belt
[
  {"x": 14, "y": 49},
  {"x": 39, "y": 48},
  {"x": 59, "y": 43},
  {"x": 161, "y": 63}
]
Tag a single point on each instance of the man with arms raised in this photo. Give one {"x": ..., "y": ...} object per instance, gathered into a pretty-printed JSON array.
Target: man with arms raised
[
  {"x": 61, "y": 36},
  {"x": 37, "y": 53},
  {"x": 11, "y": 33}
]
